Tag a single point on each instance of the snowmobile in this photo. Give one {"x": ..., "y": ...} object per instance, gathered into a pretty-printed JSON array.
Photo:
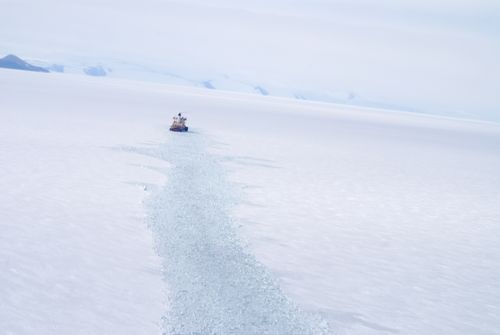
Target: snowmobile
[{"x": 179, "y": 124}]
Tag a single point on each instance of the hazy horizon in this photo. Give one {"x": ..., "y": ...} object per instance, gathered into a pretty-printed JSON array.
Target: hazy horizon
[{"x": 435, "y": 58}]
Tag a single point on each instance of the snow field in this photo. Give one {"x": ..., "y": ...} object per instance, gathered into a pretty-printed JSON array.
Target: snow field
[
  {"x": 75, "y": 252},
  {"x": 378, "y": 222}
]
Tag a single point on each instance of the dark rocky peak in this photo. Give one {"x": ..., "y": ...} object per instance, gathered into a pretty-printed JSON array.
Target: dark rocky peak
[{"x": 16, "y": 63}]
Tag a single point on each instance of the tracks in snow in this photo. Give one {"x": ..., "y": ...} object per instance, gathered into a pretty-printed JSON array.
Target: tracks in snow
[{"x": 215, "y": 286}]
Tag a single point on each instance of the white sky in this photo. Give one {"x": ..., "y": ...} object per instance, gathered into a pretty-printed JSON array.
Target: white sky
[{"x": 439, "y": 57}]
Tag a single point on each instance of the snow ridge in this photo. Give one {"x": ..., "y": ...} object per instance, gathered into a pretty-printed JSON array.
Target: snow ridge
[{"x": 215, "y": 285}]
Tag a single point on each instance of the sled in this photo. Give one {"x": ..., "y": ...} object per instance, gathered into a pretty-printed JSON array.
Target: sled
[{"x": 178, "y": 128}]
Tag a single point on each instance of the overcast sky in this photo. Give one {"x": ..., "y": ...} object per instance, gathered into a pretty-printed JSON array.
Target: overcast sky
[{"x": 436, "y": 56}]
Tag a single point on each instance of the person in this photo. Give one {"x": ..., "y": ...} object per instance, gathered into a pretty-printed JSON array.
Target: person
[
  {"x": 181, "y": 119},
  {"x": 178, "y": 119}
]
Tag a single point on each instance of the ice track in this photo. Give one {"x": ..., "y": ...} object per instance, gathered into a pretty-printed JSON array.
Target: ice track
[{"x": 215, "y": 286}]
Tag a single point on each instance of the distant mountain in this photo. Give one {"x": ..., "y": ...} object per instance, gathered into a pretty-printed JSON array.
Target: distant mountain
[
  {"x": 208, "y": 84},
  {"x": 56, "y": 68},
  {"x": 96, "y": 71},
  {"x": 261, "y": 90},
  {"x": 14, "y": 62}
]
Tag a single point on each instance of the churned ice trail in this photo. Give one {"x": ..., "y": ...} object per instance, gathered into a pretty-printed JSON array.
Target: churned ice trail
[{"x": 215, "y": 286}]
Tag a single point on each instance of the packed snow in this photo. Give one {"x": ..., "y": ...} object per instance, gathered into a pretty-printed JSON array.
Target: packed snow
[
  {"x": 272, "y": 216},
  {"x": 75, "y": 254}
]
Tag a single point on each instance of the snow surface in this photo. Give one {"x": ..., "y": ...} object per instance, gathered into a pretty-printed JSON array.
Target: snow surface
[
  {"x": 75, "y": 254},
  {"x": 272, "y": 216}
]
